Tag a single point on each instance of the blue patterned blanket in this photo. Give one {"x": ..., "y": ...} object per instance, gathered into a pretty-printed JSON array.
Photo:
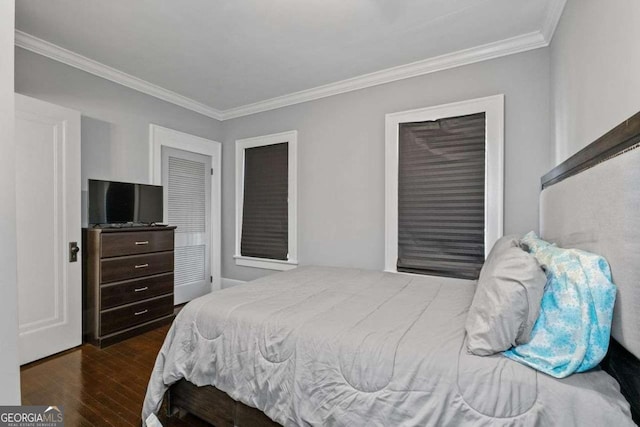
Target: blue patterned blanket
[{"x": 572, "y": 331}]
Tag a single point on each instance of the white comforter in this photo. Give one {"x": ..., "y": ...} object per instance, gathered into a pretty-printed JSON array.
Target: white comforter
[{"x": 345, "y": 347}]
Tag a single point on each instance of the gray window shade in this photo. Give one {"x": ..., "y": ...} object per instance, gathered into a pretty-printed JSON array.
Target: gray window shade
[
  {"x": 441, "y": 184},
  {"x": 265, "y": 210}
]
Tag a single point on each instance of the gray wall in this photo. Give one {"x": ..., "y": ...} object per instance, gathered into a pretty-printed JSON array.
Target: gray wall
[
  {"x": 341, "y": 156},
  {"x": 595, "y": 71},
  {"x": 9, "y": 372},
  {"x": 341, "y": 145},
  {"x": 115, "y": 119}
]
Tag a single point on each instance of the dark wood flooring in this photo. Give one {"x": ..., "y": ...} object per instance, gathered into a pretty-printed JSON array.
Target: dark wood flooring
[{"x": 99, "y": 387}]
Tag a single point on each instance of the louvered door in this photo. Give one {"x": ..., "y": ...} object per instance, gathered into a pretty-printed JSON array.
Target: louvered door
[{"x": 186, "y": 178}]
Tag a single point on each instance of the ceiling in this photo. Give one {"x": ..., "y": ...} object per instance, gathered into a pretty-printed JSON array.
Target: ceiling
[{"x": 227, "y": 54}]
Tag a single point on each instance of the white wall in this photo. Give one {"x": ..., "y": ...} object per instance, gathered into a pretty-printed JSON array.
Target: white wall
[
  {"x": 9, "y": 372},
  {"x": 115, "y": 119},
  {"x": 341, "y": 156},
  {"x": 595, "y": 61}
]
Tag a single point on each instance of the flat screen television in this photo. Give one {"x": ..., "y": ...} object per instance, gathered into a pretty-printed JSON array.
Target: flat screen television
[{"x": 113, "y": 202}]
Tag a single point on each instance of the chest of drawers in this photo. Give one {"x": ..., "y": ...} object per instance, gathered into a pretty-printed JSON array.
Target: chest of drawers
[{"x": 128, "y": 282}]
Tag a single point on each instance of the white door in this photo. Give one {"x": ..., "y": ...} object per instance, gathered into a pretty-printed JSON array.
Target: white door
[
  {"x": 48, "y": 219},
  {"x": 186, "y": 179}
]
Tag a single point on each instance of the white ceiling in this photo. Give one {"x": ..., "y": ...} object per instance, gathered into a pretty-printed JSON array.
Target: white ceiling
[{"x": 226, "y": 54}]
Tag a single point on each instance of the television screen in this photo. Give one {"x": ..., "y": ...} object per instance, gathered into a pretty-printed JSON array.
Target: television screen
[{"x": 121, "y": 202}]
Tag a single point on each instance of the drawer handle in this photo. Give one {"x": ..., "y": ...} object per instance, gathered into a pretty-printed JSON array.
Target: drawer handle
[
  {"x": 142, "y": 265},
  {"x": 146, "y": 242},
  {"x": 141, "y": 289},
  {"x": 138, "y": 313}
]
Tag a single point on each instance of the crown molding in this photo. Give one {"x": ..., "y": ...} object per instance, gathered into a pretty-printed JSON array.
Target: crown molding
[
  {"x": 60, "y": 54},
  {"x": 550, "y": 24},
  {"x": 518, "y": 44},
  {"x": 485, "y": 52}
]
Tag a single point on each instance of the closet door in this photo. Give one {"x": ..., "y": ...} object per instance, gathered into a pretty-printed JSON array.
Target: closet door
[
  {"x": 48, "y": 222},
  {"x": 186, "y": 178}
]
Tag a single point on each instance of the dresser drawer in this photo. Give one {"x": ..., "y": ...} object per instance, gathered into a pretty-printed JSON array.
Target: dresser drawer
[
  {"x": 135, "y": 290},
  {"x": 121, "y": 318},
  {"x": 136, "y": 242},
  {"x": 129, "y": 267}
]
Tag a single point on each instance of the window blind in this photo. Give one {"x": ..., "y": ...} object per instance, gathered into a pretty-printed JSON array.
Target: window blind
[
  {"x": 441, "y": 186},
  {"x": 265, "y": 209}
]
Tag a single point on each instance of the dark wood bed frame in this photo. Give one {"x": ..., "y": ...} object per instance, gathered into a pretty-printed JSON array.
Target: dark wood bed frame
[
  {"x": 217, "y": 408},
  {"x": 214, "y": 406}
]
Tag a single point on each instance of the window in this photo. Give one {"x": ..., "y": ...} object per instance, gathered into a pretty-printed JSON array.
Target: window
[
  {"x": 266, "y": 201},
  {"x": 444, "y": 187}
]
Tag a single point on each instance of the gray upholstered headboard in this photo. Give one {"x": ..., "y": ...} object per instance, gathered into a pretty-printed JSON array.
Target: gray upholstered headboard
[
  {"x": 592, "y": 202},
  {"x": 598, "y": 210}
]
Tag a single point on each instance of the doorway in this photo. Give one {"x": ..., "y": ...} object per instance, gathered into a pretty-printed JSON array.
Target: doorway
[{"x": 188, "y": 168}]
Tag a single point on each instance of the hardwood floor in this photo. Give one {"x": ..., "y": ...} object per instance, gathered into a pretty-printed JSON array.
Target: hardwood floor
[{"x": 99, "y": 387}]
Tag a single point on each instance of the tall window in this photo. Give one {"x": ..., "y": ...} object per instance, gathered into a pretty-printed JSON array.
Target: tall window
[
  {"x": 444, "y": 188},
  {"x": 265, "y": 216},
  {"x": 266, "y": 201}
]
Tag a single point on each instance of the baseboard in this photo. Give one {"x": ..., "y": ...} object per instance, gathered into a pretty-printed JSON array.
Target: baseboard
[{"x": 229, "y": 283}]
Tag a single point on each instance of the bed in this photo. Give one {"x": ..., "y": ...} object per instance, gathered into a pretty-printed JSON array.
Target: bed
[{"x": 335, "y": 346}]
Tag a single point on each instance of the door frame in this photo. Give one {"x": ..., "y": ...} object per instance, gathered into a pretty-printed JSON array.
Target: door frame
[{"x": 195, "y": 144}]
